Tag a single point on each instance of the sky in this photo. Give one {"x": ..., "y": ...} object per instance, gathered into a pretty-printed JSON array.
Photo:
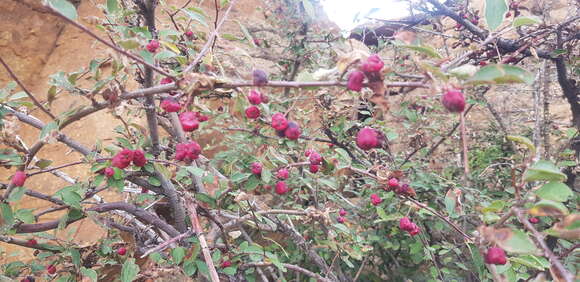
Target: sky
[{"x": 344, "y": 12}]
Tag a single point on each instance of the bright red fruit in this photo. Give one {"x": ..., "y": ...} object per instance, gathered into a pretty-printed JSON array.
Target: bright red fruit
[
  {"x": 226, "y": 263},
  {"x": 166, "y": 80},
  {"x": 189, "y": 34},
  {"x": 315, "y": 158},
  {"x": 405, "y": 224},
  {"x": 259, "y": 77},
  {"x": 253, "y": 112},
  {"x": 144, "y": 190},
  {"x": 189, "y": 121},
  {"x": 281, "y": 188},
  {"x": 51, "y": 269},
  {"x": 342, "y": 212},
  {"x": 282, "y": 174},
  {"x": 187, "y": 151},
  {"x": 122, "y": 251},
  {"x": 415, "y": 230},
  {"x": 139, "y": 158},
  {"x": 454, "y": 101},
  {"x": 340, "y": 219},
  {"x": 153, "y": 46},
  {"x": 255, "y": 97},
  {"x": 495, "y": 255},
  {"x": 355, "y": 81},
  {"x": 373, "y": 64},
  {"x": 293, "y": 131},
  {"x": 367, "y": 138},
  {"x": 308, "y": 152},
  {"x": 375, "y": 199},
  {"x": 122, "y": 159},
  {"x": 18, "y": 178},
  {"x": 393, "y": 183},
  {"x": 31, "y": 243},
  {"x": 170, "y": 105},
  {"x": 279, "y": 122},
  {"x": 109, "y": 172},
  {"x": 314, "y": 168},
  {"x": 534, "y": 220},
  {"x": 256, "y": 168}
]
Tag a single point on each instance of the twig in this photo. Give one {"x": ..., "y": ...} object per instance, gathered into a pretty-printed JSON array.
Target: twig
[
  {"x": 464, "y": 143},
  {"x": 316, "y": 276},
  {"x": 303, "y": 84},
  {"x": 210, "y": 40},
  {"x": 192, "y": 207},
  {"x": 24, "y": 243},
  {"x": 167, "y": 243},
  {"x": 15, "y": 78},
  {"x": 112, "y": 46},
  {"x": 539, "y": 238}
]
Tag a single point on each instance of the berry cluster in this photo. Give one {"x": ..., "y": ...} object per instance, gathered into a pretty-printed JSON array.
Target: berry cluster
[
  {"x": 341, "y": 216},
  {"x": 255, "y": 98},
  {"x": 406, "y": 224},
  {"x": 125, "y": 157},
  {"x": 190, "y": 120},
  {"x": 187, "y": 151},
  {"x": 370, "y": 69},
  {"x": 285, "y": 128},
  {"x": 401, "y": 189}
]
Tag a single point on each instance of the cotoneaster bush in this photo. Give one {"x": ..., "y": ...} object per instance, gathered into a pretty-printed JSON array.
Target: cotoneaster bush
[{"x": 304, "y": 177}]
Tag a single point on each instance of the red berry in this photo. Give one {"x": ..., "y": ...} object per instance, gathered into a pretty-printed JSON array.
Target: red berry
[
  {"x": 405, "y": 224},
  {"x": 139, "y": 158},
  {"x": 281, "y": 188},
  {"x": 355, "y": 81},
  {"x": 122, "y": 251},
  {"x": 376, "y": 200},
  {"x": 31, "y": 242},
  {"x": 483, "y": 63},
  {"x": 18, "y": 178},
  {"x": 187, "y": 151},
  {"x": 189, "y": 34},
  {"x": 109, "y": 172},
  {"x": 253, "y": 112},
  {"x": 282, "y": 174},
  {"x": 153, "y": 46},
  {"x": 255, "y": 97},
  {"x": 534, "y": 220},
  {"x": 189, "y": 121},
  {"x": 226, "y": 263},
  {"x": 454, "y": 101},
  {"x": 170, "y": 105},
  {"x": 509, "y": 14},
  {"x": 373, "y": 64},
  {"x": 293, "y": 131},
  {"x": 367, "y": 138},
  {"x": 342, "y": 212},
  {"x": 393, "y": 183},
  {"x": 51, "y": 269},
  {"x": 414, "y": 230},
  {"x": 315, "y": 158},
  {"x": 495, "y": 255},
  {"x": 340, "y": 219},
  {"x": 144, "y": 190},
  {"x": 260, "y": 77},
  {"x": 308, "y": 152},
  {"x": 256, "y": 168},
  {"x": 314, "y": 168},
  {"x": 279, "y": 122},
  {"x": 122, "y": 159},
  {"x": 166, "y": 80}
]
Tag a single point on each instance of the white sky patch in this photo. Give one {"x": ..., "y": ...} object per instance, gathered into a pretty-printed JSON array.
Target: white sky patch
[{"x": 347, "y": 14}]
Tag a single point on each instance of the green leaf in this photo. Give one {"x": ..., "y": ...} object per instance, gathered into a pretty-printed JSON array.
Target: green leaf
[
  {"x": 538, "y": 263},
  {"x": 519, "y": 242},
  {"x": 548, "y": 208},
  {"x": 129, "y": 44},
  {"x": 177, "y": 255},
  {"x": 495, "y": 206},
  {"x": 129, "y": 270},
  {"x": 42, "y": 164},
  {"x": 64, "y": 7},
  {"x": 16, "y": 194},
  {"x": 6, "y": 214},
  {"x": 112, "y": 6},
  {"x": 75, "y": 257},
  {"x": 423, "y": 49},
  {"x": 154, "y": 181},
  {"x": 90, "y": 273},
  {"x": 48, "y": 129},
  {"x": 544, "y": 171},
  {"x": 25, "y": 215},
  {"x": 523, "y": 140},
  {"x": 239, "y": 177},
  {"x": 501, "y": 74},
  {"x": 495, "y": 11},
  {"x": 555, "y": 191},
  {"x": 195, "y": 170},
  {"x": 189, "y": 267},
  {"x": 164, "y": 55},
  {"x": 196, "y": 15},
  {"x": 529, "y": 20},
  {"x": 147, "y": 57}
]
